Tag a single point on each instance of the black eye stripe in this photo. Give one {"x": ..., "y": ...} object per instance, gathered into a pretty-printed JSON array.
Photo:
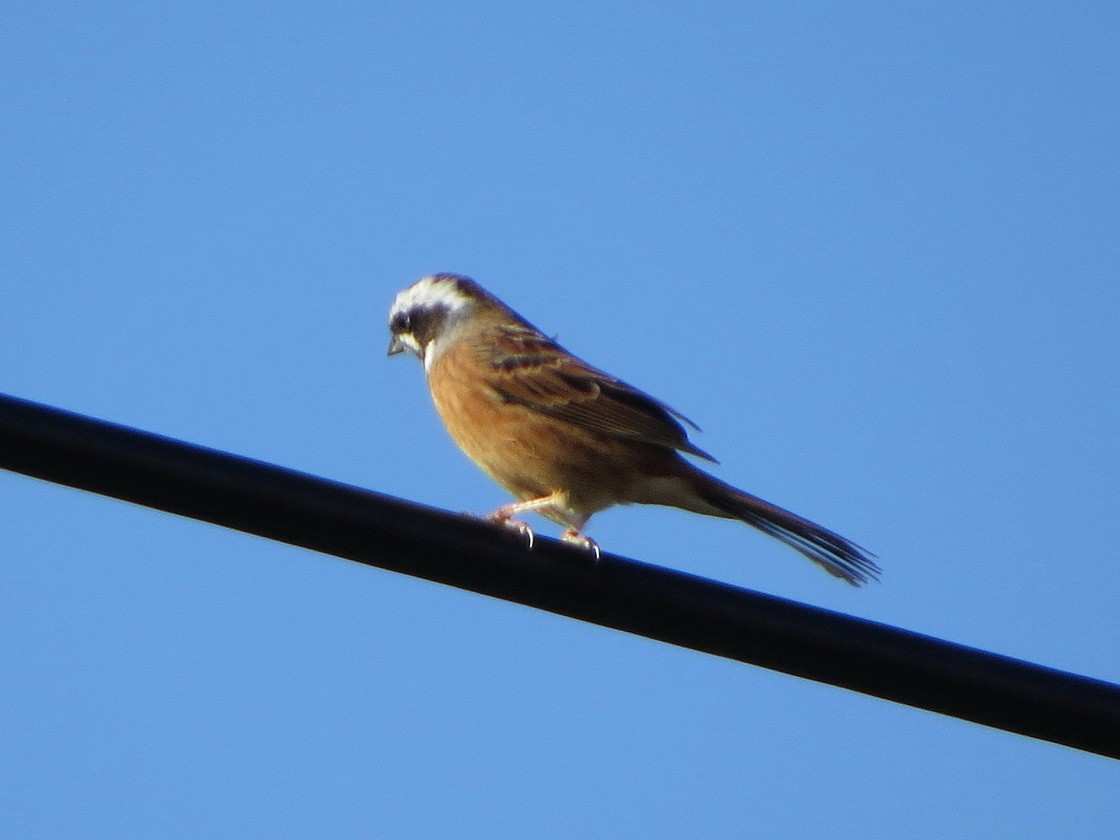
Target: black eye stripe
[{"x": 421, "y": 323}]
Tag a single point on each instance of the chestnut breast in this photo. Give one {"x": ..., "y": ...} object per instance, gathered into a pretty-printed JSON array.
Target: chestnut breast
[{"x": 527, "y": 452}]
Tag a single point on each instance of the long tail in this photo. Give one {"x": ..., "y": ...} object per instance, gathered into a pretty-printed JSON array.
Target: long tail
[{"x": 836, "y": 555}]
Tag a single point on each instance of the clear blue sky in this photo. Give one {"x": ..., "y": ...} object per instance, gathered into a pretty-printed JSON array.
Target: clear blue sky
[{"x": 873, "y": 252}]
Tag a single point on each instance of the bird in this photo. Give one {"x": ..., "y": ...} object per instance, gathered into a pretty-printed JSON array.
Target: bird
[{"x": 566, "y": 439}]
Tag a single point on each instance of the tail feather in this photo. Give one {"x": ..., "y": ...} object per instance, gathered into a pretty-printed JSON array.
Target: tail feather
[{"x": 836, "y": 555}]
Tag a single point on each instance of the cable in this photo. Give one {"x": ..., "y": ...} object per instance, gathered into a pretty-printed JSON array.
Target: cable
[{"x": 663, "y": 604}]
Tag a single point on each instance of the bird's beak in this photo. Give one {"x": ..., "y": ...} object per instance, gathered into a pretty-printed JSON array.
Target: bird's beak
[{"x": 395, "y": 346}]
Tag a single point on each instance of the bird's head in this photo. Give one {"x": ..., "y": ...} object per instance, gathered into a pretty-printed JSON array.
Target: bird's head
[{"x": 429, "y": 312}]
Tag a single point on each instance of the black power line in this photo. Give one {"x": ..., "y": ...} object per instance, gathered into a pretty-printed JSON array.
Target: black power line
[{"x": 671, "y": 606}]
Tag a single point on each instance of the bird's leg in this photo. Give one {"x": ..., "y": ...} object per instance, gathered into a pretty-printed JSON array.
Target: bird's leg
[
  {"x": 504, "y": 515},
  {"x": 572, "y": 534}
]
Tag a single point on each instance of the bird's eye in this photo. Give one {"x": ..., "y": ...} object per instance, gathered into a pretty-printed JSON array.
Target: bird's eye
[{"x": 402, "y": 323}]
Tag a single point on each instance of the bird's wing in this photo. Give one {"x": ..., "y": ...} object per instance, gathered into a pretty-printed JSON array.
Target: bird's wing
[{"x": 531, "y": 370}]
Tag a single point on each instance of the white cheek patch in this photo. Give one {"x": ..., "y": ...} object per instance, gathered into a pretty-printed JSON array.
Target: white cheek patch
[
  {"x": 433, "y": 351},
  {"x": 410, "y": 343}
]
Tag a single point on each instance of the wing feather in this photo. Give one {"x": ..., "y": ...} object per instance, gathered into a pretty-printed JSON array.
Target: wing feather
[{"x": 534, "y": 371}]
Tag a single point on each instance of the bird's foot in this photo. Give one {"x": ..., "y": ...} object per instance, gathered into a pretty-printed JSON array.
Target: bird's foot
[
  {"x": 504, "y": 516},
  {"x": 573, "y": 536}
]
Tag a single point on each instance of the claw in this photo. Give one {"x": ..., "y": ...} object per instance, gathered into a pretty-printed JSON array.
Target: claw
[
  {"x": 574, "y": 536},
  {"x": 522, "y": 528}
]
